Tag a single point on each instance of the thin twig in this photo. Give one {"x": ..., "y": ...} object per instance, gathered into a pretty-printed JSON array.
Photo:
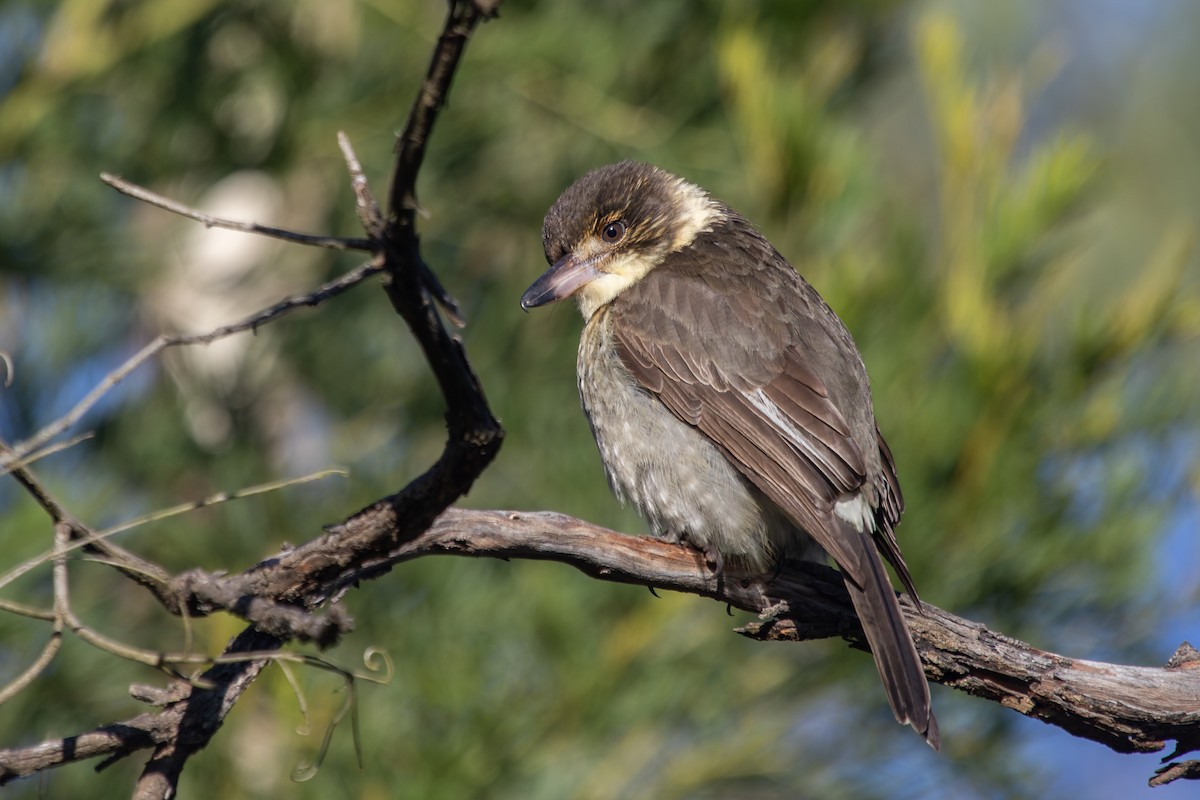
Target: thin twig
[
  {"x": 18, "y": 684},
  {"x": 365, "y": 203},
  {"x": 84, "y": 539},
  {"x": 373, "y": 223},
  {"x": 65, "y": 619},
  {"x": 127, "y": 562},
  {"x": 62, "y": 536},
  {"x": 156, "y": 579},
  {"x": 18, "y": 451},
  {"x": 435, "y": 288},
  {"x": 38, "y": 455},
  {"x": 301, "y": 701},
  {"x": 23, "y": 610},
  {"x": 146, "y": 196},
  {"x": 314, "y": 298},
  {"x": 144, "y": 572},
  {"x": 215, "y": 499},
  {"x": 10, "y": 461}
]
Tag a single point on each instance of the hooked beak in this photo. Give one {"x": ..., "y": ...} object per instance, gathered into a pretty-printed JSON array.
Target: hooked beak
[{"x": 565, "y": 278}]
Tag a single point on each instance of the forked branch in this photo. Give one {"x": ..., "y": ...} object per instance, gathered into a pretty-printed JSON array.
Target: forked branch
[{"x": 196, "y": 712}]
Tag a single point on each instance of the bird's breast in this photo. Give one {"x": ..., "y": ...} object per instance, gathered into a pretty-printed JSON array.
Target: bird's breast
[{"x": 676, "y": 478}]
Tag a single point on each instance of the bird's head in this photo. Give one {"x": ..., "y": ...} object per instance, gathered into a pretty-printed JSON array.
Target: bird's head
[{"x": 611, "y": 227}]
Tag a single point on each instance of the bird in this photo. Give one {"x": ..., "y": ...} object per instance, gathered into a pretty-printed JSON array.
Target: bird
[{"x": 730, "y": 404}]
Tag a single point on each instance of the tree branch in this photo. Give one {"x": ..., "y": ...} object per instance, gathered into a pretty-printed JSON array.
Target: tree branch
[
  {"x": 277, "y": 597},
  {"x": 461, "y": 19},
  {"x": 1126, "y": 708},
  {"x": 146, "y": 196},
  {"x": 190, "y": 716},
  {"x": 474, "y": 433},
  {"x": 190, "y": 722}
]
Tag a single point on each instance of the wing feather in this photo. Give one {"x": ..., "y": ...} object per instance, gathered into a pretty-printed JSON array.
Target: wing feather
[
  {"x": 753, "y": 395},
  {"x": 744, "y": 367}
]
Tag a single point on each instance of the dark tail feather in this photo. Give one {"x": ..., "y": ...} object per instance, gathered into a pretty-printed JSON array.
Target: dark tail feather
[{"x": 890, "y": 641}]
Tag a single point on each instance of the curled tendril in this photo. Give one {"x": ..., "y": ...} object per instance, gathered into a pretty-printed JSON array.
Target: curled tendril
[
  {"x": 377, "y": 661},
  {"x": 305, "y": 726},
  {"x": 306, "y": 770}
]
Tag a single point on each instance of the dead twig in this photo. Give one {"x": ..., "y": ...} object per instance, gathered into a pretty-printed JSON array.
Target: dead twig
[{"x": 153, "y": 198}]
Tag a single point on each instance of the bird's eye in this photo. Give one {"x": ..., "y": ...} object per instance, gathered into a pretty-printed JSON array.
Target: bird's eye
[{"x": 613, "y": 232}]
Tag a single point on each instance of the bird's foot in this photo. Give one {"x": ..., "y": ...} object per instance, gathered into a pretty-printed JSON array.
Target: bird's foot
[{"x": 713, "y": 559}]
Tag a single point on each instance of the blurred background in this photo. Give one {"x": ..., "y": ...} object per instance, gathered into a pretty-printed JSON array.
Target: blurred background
[{"x": 1000, "y": 199}]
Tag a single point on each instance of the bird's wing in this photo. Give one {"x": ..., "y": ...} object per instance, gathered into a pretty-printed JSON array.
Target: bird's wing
[
  {"x": 743, "y": 376},
  {"x": 891, "y": 508}
]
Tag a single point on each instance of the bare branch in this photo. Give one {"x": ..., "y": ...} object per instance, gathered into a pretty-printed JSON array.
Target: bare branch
[
  {"x": 216, "y": 499},
  {"x": 287, "y": 305},
  {"x": 142, "y": 571},
  {"x": 1129, "y": 709},
  {"x": 62, "y": 536},
  {"x": 1126, "y": 708},
  {"x": 23, "y": 610},
  {"x": 146, "y": 196},
  {"x": 10, "y": 456},
  {"x": 474, "y": 438},
  {"x": 201, "y": 593},
  {"x": 461, "y": 19},
  {"x": 57, "y": 447},
  {"x": 49, "y": 651},
  {"x": 11, "y": 462},
  {"x": 369, "y": 215},
  {"x": 128, "y": 736},
  {"x": 191, "y": 722}
]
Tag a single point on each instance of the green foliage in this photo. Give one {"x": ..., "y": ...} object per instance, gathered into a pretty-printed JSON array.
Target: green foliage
[{"x": 1032, "y": 338}]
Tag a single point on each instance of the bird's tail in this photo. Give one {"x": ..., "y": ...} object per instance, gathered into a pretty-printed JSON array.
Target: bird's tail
[{"x": 889, "y": 638}]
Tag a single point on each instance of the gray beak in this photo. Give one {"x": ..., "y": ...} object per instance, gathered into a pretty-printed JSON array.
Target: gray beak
[{"x": 565, "y": 278}]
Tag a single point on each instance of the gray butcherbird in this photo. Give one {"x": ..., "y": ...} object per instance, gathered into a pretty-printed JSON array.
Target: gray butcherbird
[{"x": 728, "y": 401}]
